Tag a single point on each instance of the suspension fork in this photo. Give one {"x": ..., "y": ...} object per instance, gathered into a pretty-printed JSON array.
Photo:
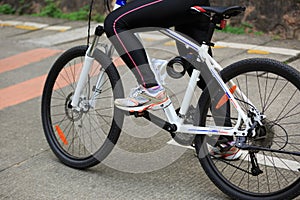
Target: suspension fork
[{"x": 88, "y": 62}]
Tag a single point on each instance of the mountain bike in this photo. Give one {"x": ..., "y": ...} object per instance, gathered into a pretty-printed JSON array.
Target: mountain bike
[{"x": 259, "y": 98}]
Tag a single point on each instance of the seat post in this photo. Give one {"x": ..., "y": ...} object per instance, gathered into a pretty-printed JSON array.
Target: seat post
[
  {"x": 216, "y": 19},
  {"x": 210, "y": 33}
]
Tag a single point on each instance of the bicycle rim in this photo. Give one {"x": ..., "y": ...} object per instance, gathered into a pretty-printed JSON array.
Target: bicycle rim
[
  {"x": 274, "y": 89},
  {"x": 82, "y": 138}
]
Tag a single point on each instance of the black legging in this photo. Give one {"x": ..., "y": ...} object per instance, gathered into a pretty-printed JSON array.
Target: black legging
[{"x": 120, "y": 23}]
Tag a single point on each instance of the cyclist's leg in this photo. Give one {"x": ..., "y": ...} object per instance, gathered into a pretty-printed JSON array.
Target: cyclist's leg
[
  {"x": 141, "y": 14},
  {"x": 120, "y": 25},
  {"x": 197, "y": 31}
]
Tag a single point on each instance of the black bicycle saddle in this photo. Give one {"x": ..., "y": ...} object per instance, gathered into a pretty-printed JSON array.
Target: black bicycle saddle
[{"x": 220, "y": 10}]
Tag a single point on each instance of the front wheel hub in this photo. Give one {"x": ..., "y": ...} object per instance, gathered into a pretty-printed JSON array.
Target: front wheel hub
[{"x": 71, "y": 113}]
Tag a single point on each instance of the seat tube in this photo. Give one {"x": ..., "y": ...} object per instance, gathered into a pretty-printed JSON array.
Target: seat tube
[{"x": 189, "y": 93}]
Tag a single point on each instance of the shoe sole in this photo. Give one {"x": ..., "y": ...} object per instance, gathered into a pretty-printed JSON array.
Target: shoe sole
[
  {"x": 235, "y": 156},
  {"x": 229, "y": 157},
  {"x": 157, "y": 106}
]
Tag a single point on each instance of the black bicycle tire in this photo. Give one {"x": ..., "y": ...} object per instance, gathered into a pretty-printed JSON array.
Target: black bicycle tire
[
  {"x": 117, "y": 123},
  {"x": 227, "y": 73}
]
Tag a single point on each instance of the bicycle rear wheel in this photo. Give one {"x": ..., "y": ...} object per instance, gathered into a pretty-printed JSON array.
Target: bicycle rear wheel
[
  {"x": 82, "y": 139},
  {"x": 274, "y": 88}
]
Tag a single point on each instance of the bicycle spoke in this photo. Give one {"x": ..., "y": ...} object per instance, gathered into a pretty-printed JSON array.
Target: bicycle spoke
[
  {"x": 58, "y": 114},
  {"x": 259, "y": 91},
  {"x": 272, "y": 163},
  {"x": 245, "y": 106},
  {"x": 265, "y": 93},
  {"x": 279, "y": 92},
  {"x": 288, "y": 116},
  {"x": 59, "y": 92},
  {"x": 58, "y": 105},
  {"x": 68, "y": 79},
  {"x": 285, "y": 105},
  {"x": 59, "y": 98},
  {"x": 270, "y": 93}
]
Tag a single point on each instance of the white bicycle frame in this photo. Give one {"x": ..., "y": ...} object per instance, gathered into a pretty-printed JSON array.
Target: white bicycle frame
[
  {"x": 214, "y": 67},
  {"x": 170, "y": 112}
]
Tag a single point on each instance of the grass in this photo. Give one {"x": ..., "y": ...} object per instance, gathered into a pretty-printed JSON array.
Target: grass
[
  {"x": 52, "y": 10},
  {"x": 234, "y": 29},
  {"x": 244, "y": 28}
]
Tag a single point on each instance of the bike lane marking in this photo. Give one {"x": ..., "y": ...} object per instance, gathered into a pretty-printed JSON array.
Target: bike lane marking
[
  {"x": 251, "y": 48},
  {"x": 259, "y": 49},
  {"x": 21, "y": 92},
  {"x": 149, "y": 36},
  {"x": 32, "y": 26},
  {"x": 62, "y": 37},
  {"x": 27, "y": 90},
  {"x": 25, "y": 58},
  {"x": 30, "y": 89}
]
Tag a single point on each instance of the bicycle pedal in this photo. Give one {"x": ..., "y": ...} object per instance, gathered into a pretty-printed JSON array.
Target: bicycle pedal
[{"x": 137, "y": 113}]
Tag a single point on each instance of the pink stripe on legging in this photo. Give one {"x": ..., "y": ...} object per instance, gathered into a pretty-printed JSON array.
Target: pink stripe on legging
[{"x": 116, "y": 33}]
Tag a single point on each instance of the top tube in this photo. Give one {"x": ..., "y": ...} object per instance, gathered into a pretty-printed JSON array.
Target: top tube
[{"x": 121, "y": 2}]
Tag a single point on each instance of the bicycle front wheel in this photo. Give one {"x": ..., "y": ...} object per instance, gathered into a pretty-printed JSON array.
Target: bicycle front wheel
[
  {"x": 273, "y": 171},
  {"x": 82, "y": 139}
]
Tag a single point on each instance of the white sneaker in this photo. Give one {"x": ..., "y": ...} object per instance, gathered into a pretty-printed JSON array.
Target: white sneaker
[
  {"x": 141, "y": 99},
  {"x": 226, "y": 151}
]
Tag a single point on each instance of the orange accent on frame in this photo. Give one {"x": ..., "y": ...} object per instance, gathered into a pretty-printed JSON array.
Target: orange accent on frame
[{"x": 224, "y": 98}]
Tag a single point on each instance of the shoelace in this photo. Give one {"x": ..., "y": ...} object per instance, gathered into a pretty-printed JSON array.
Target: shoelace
[{"x": 134, "y": 92}]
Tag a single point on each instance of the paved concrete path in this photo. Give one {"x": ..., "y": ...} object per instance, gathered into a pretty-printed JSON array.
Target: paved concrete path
[{"x": 28, "y": 168}]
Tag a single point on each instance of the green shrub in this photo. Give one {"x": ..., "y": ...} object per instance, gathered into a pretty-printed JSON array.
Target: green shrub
[
  {"x": 50, "y": 10},
  {"x": 82, "y": 14},
  {"x": 234, "y": 29},
  {"x": 6, "y": 9}
]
